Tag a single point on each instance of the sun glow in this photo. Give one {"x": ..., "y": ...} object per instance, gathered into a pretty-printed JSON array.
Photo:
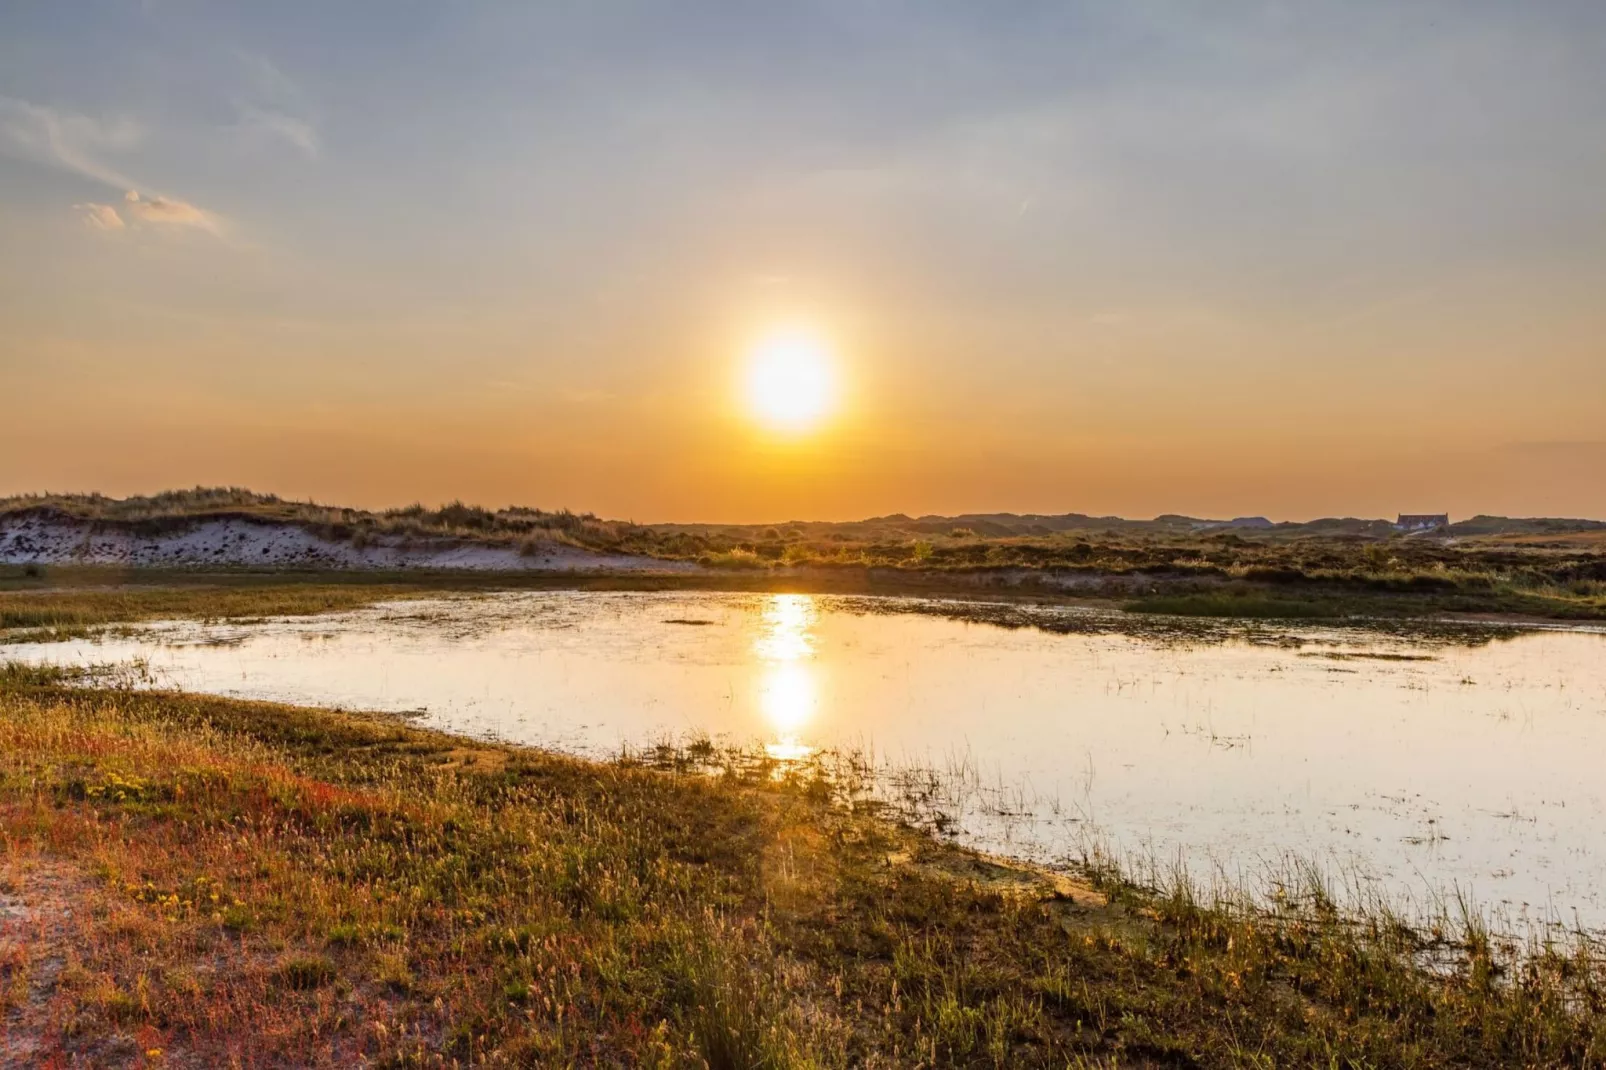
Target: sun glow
[{"x": 791, "y": 380}]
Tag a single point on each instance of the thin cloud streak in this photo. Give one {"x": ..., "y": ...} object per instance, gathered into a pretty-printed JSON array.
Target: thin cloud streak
[
  {"x": 100, "y": 216},
  {"x": 157, "y": 209},
  {"x": 259, "y": 125},
  {"x": 275, "y": 109},
  {"x": 66, "y": 140}
]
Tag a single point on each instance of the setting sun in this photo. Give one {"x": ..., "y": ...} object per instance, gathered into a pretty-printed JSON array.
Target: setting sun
[{"x": 791, "y": 380}]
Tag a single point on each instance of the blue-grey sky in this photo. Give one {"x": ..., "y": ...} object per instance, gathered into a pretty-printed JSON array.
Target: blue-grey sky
[{"x": 1283, "y": 258}]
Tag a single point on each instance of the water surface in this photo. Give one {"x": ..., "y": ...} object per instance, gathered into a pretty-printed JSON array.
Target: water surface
[{"x": 1418, "y": 763}]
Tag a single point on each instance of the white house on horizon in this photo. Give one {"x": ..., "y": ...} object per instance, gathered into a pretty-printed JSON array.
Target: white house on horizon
[{"x": 1422, "y": 522}]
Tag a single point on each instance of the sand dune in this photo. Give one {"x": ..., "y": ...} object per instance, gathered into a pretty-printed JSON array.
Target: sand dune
[{"x": 60, "y": 540}]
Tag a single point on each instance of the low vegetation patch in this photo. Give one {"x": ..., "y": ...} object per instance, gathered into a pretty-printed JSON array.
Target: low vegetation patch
[
  {"x": 1318, "y": 601},
  {"x": 32, "y": 611},
  {"x": 206, "y": 882}
]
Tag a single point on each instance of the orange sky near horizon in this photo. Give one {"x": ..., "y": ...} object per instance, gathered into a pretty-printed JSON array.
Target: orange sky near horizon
[{"x": 696, "y": 455}]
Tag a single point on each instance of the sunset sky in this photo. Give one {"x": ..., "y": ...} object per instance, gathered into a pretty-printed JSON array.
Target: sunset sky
[{"x": 1278, "y": 258}]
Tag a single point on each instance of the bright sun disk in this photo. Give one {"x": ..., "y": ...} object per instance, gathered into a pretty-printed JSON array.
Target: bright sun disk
[{"x": 790, "y": 380}]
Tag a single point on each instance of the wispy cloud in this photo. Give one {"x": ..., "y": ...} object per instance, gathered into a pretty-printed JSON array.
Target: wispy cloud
[
  {"x": 66, "y": 140},
  {"x": 167, "y": 210},
  {"x": 268, "y": 82},
  {"x": 78, "y": 144},
  {"x": 274, "y": 108},
  {"x": 100, "y": 216},
  {"x": 259, "y": 125}
]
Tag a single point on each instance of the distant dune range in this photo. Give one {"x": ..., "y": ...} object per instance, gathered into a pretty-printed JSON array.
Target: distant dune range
[
  {"x": 1248, "y": 566},
  {"x": 236, "y": 527}
]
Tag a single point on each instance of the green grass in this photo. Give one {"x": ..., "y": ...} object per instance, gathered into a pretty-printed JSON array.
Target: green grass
[
  {"x": 1317, "y": 600},
  {"x": 213, "y": 882},
  {"x": 59, "y": 613}
]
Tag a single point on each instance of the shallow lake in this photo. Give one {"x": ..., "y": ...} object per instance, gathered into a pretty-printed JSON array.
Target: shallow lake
[{"x": 1411, "y": 763}]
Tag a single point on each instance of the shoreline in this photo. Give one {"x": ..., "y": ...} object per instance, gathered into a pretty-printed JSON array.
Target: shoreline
[{"x": 1169, "y": 596}]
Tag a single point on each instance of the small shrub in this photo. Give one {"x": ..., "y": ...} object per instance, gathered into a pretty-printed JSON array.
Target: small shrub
[
  {"x": 739, "y": 557},
  {"x": 238, "y": 919},
  {"x": 343, "y": 935},
  {"x": 304, "y": 973},
  {"x": 394, "y": 972},
  {"x": 119, "y": 1006}
]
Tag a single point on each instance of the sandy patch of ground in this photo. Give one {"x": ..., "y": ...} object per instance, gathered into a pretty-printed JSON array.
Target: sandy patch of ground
[{"x": 38, "y": 900}]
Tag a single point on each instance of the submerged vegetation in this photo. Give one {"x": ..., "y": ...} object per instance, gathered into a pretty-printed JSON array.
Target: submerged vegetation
[
  {"x": 200, "y": 881},
  {"x": 1543, "y": 568}
]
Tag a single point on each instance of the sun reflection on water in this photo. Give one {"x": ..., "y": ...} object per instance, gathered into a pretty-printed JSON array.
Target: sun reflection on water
[
  {"x": 787, "y": 694},
  {"x": 787, "y": 620}
]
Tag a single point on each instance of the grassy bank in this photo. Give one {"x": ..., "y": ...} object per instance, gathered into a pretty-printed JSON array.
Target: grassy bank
[
  {"x": 70, "y": 601},
  {"x": 190, "y": 881},
  {"x": 1330, "y": 600},
  {"x": 30, "y": 610}
]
